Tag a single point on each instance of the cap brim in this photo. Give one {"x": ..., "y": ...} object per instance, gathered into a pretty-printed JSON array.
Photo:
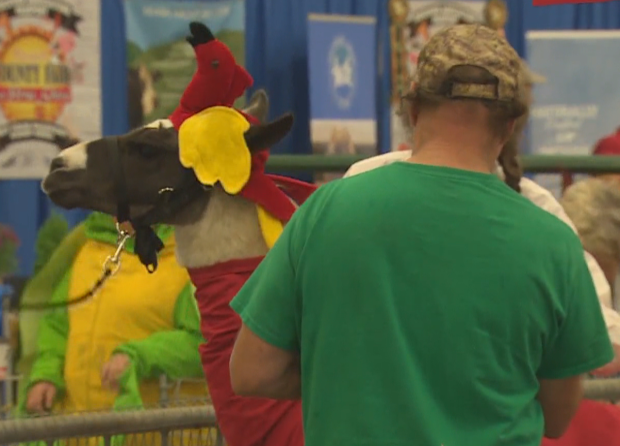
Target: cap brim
[
  {"x": 530, "y": 76},
  {"x": 536, "y": 78}
]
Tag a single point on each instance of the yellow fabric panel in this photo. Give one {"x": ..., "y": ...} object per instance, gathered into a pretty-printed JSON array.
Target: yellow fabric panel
[
  {"x": 270, "y": 226},
  {"x": 132, "y": 305},
  {"x": 212, "y": 143}
]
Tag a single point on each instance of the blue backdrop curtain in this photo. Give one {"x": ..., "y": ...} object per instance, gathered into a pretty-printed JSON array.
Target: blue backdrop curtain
[{"x": 277, "y": 58}]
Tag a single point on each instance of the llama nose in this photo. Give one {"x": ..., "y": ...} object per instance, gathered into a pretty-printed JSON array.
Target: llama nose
[{"x": 57, "y": 163}]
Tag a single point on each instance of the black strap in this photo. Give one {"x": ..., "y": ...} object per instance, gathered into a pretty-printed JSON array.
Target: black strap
[
  {"x": 147, "y": 243},
  {"x": 120, "y": 183},
  {"x": 172, "y": 201},
  {"x": 107, "y": 273}
]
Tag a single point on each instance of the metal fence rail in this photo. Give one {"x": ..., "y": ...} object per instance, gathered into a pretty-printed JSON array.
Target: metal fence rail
[
  {"x": 603, "y": 389},
  {"x": 106, "y": 424},
  {"x": 531, "y": 163},
  {"x": 166, "y": 420}
]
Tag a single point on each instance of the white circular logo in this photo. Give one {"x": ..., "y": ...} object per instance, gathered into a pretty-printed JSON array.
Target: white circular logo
[{"x": 342, "y": 66}]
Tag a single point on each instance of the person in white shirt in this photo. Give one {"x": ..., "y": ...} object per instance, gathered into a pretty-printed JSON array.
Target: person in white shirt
[
  {"x": 510, "y": 170},
  {"x": 593, "y": 205}
]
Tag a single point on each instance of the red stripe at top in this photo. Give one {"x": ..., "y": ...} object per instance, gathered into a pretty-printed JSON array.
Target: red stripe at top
[{"x": 565, "y": 2}]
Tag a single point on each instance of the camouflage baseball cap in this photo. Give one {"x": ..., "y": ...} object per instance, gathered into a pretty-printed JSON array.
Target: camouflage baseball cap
[{"x": 471, "y": 45}]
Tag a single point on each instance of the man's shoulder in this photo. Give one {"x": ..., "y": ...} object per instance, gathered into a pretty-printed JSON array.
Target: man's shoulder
[
  {"x": 546, "y": 201},
  {"x": 546, "y": 231},
  {"x": 377, "y": 161}
]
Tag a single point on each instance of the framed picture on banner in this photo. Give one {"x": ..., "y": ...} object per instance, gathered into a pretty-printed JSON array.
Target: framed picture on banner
[
  {"x": 50, "y": 81},
  {"x": 342, "y": 68}
]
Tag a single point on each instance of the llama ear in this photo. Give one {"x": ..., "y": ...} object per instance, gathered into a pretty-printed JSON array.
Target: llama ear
[
  {"x": 258, "y": 106},
  {"x": 263, "y": 136}
]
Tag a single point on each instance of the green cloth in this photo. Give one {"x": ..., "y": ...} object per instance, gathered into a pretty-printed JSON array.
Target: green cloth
[
  {"x": 173, "y": 353},
  {"x": 102, "y": 227},
  {"x": 56, "y": 251},
  {"x": 425, "y": 303}
]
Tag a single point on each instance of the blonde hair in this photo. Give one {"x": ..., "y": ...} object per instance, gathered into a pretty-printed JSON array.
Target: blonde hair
[{"x": 594, "y": 207}]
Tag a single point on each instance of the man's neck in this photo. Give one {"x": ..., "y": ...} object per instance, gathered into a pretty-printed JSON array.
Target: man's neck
[{"x": 455, "y": 155}]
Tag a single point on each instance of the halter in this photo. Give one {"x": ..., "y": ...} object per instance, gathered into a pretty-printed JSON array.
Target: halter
[
  {"x": 147, "y": 243},
  {"x": 169, "y": 202}
]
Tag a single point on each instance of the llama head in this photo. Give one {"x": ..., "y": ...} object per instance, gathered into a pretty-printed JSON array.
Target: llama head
[{"x": 142, "y": 167}]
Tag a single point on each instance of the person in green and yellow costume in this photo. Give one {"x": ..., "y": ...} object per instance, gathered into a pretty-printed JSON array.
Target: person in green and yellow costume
[{"x": 109, "y": 351}]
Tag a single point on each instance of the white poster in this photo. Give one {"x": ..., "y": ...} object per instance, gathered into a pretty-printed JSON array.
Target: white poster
[
  {"x": 578, "y": 106},
  {"x": 413, "y": 23},
  {"x": 50, "y": 81}
]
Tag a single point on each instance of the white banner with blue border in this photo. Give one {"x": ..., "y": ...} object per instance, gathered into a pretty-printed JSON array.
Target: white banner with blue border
[
  {"x": 578, "y": 104},
  {"x": 342, "y": 67}
]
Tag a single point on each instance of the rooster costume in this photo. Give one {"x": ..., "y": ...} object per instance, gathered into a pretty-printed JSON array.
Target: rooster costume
[{"x": 211, "y": 142}]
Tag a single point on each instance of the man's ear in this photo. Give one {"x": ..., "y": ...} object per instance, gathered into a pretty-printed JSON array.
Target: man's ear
[{"x": 510, "y": 129}]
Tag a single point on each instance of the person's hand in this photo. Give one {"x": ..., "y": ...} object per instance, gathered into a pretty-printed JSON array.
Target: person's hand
[
  {"x": 611, "y": 369},
  {"x": 41, "y": 398},
  {"x": 113, "y": 370}
]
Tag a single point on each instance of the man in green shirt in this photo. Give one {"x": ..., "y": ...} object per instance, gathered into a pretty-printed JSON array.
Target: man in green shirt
[{"x": 425, "y": 302}]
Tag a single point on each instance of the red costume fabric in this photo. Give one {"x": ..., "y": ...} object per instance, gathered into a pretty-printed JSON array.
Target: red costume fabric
[
  {"x": 564, "y": 2},
  {"x": 243, "y": 421},
  {"x": 218, "y": 81},
  {"x": 595, "y": 424}
]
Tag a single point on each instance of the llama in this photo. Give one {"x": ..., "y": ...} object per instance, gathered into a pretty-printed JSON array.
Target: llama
[{"x": 220, "y": 236}]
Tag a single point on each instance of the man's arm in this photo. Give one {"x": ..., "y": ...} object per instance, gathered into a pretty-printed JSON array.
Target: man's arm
[
  {"x": 265, "y": 360},
  {"x": 257, "y": 368},
  {"x": 559, "y": 399},
  {"x": 45, "y": 381},
  {"x": 52, "y": 342},
  {"x": 580, "y": 343}
]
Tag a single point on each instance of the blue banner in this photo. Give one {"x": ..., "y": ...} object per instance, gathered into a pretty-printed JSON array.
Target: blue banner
[
  {"x": 160, "y": 62},
  {"x": 578, "y": 105},
  {"x": 342, "y": 64}
]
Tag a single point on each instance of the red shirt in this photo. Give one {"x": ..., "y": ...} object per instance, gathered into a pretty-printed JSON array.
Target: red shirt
[
  {"x": 564, "y": 2},
  {"x": 596, "y": 424},
  {"x": 243, "y": 421},
  {"x": 610, "y": 145}
]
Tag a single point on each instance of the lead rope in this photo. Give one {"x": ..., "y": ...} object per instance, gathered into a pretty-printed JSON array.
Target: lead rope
[{"x": 111, "y": 266}]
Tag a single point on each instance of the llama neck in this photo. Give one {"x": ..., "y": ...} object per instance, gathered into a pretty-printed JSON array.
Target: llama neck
[{"x": 228, "y": 229}]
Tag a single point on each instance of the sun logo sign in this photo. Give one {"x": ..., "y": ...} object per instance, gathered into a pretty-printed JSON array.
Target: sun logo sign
[{"x": 342, "y": 64}]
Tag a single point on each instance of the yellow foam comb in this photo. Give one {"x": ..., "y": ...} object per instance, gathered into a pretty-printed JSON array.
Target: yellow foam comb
[
  {"x": 212, "y": 143},
  {"x": 270, "y": 226}
]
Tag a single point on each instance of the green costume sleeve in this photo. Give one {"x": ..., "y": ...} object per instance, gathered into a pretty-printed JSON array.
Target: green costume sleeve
[
  {"x": 173, "y": 353},
  {"x": 52, "y": 341}
]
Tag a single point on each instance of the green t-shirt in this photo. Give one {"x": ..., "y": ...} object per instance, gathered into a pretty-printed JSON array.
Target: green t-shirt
[{"x": 425, "y": 302}]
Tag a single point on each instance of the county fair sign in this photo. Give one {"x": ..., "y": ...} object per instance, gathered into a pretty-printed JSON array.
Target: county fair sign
[{"x": 564, "y": 2}]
